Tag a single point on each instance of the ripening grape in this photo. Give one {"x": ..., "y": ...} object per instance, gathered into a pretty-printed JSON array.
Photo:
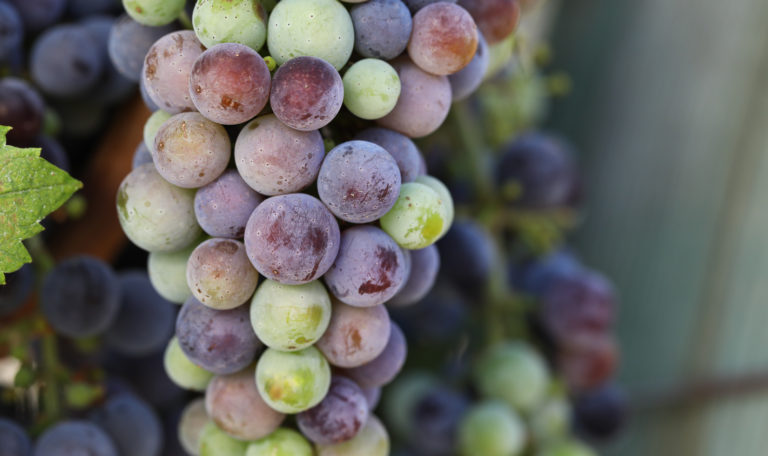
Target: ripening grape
[
  {"x": 338, "y": 417},
  {"x": 307, "y": 93},
  {"x": 74, "y": 437},
  {"x": 496, "y": 19},
  {"x": 229, "y": 83},
  {"x": 182, "y": 371},
  {"x": 372, "y": 396},
  {"x": 445, "y": 197},
  {"x": 359, "y": 181},
  {"x": 416, "y": 5},
  {"x": 492, "y": 429},
  {"x": 152, "y": 125},
  {"x": 129, "y": 43},
  {"x": 220, "y": 274},
  {"x": 551, "y": 421},
  {"x": 215, "y": 442},
  {"x": 372, "y": 440},
  {"x": 282, "y": 442},
  {"x": 468, "y": 254},
  {"x": 566, "y": 448},
  {"x": 315, "y": 28},
  {"x": 154, "y": 12},
  {"x": 133, "y": 425},
  {"x": 371, "y": 88},
  {"x": 444, "y": 38},
  {"x": 168, "y": 273},
  {"x": 601, "y": 412},
  {"x": 403, "y": 396},
  {"x": 66, "y": 61},
  {"x": 21, "y": 108},
  {"x": 140, "y": 156},
  {"x": 290, "y": 317},
  {"x": 425, "y": 264},
  {"x": 355, "y": 335},
  {"x": 193, "y": 420},
  {"x": 468, "y": 79},
  {"x": 14, "y": 438},
  {"x": 589, "y": 361},
  {"x": 228, "y": 21},
  {"x": 400, "y": 147},
  {"x": 385, "y": 367},
  {"x": 291, "y": 382},
  {"x": 155, "y": 215},
  {"x": 382, "y": 28},
  {"x": 436, "y": 417},
  {"x": 233, "y": 402},
  {"x": 223, "y": 207},
  {"x": 418, "y": 218},
  {"x": 513, "y": 372},
  {"x": 166, "y": 70}
]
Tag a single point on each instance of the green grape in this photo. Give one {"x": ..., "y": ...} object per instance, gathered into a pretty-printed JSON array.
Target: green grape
[
  {"x": 290, "y": 317},
  {"x": 154, "y": 12},
  {"x": 514, "y": 372},
  {"x": 291, "y": 382},
  {"x": 168, "y": 273},
  {"x": 445, "y": 195},
  {"x": 282, "y": 442},
  {"x": 567, "y": 448},
  {"x": 191, "y": 424},
  {"x": 316, "y": 28},
  {"x": 371, "y": 88},
  {"x": 418, "y": 218},
  {"x": 551, "y": 420},
  {"x": 401, "y": 398},
  {"x": 215, "y": 442},
  {"x": 182, "y": 371},
  {"x": 153, "y": 124},
  {"x": 230, "y": 21},
  {"x": 372, "y": 440},
  {"x": 491, "y": 428}
]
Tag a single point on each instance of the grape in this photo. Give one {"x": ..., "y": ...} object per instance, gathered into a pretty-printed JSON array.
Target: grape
[
  {"x": 220, "y": 341},
  {"x": 282, "y": 442},
  {"x": 491, "y": 428},
  {"x": 13, "y": 440},
  {"x": 515, "y": 373},
  {"x": 444, "y": 194},
  {"x": 355, "y": 335},
  {"x": 11, "y": 31},
  {"x": 437, "y": 318},
  {"x": 424, "y": 102},
  {"x": 602, "y": 412},
  {"x": 230, "y": 82},
  {"x": 402, "y": 398},
  {"x": 425, "y": 264},
  {"x": 112, "y": 86},
  {"x": 86, "y": 8},
  {"x": 233, "y": 402},
  {"x": 340, "y": 415},
  {"x": 155, "y": 215},
  {"x": 418, "y": 218},
  {"x": 275, "y": 159},
  {"x": 382, "y": 28},
  {"x": 371, "y": 88},
  {"x": 145, "y": 320},
  {"x": 290, "y": 317},
  {"x": 22, "y": 109},
  {"x": 468, "y": 79},
  {"x": 182, "y": 371},
  {"x": 152, "y": 126},
  {"x": 589, "y": 361},
  {"x": 539, "y": 170},
  {"x": 436, "y": 418},
  {"x": 291, "y": 382},
  {"x": 215, "y": 442},
  {"x": 39, "y": 14},
  {"x": 567, "y": 448},
  {"x": 385, "y": 367},
  {"x": 372, "y": 396},
  {"x": 66, "y": 61},
  {"x": 72, "y": 437},
  {"x": 149, "y": 380},
  {"x": 551, "y": 421},
  {"x": 220, "y": 274},
  {"x": 316, "y": 28},
  {"x": 228, "y": 21},
  {"x": 223, "y": 207},
  {"x": 129, "y": 43},
  {"x": 145, "y": 96},
  {"x": 537, "y": 276},
  {"x": 416, "y": 5},
  {"x": 168, "y": 273},
  {"x": 307, "y": 93},
  {"x": 18, "y": 286},
  {"x": 359, "y": 181},
  {"x": 444, "y": 38},
  {"x": 193, "y": 420},
  {"x": 52, "y": 150},
  {"x": 80, "y": 297},
  {"x": 154, "y": 12},
  {"x": 496, "y": 19},
  {"x": 132, "y": 424},
  {"x": 372, "y": 440},
  {"x": 167, "y": 67},
  {"x": 292, "y": 239},
  {"x": 400, "y": 147},
  {"x": 190, "y": 151},
  {"x": 467, "y": 255}
]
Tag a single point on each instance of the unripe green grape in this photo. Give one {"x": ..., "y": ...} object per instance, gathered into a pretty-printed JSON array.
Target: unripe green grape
[
  {"x": 316, "y": 28},
  {"x": 491, "y": 428},
  {"x": 372, "y": 440},
  {"x": 444, "y": 194},
  {"x": 168, "y": 273},
  {"x": 418, "y": 218},
  {"x": 182, "y": 371},
  {"x": 152, "y": 125},
  {"x": 515, "y": 373},
  {"x": 282, "y": 442},
  {"x": 371, "y": 88},
  {"x": 154, "y": 12},
  {"x": 551, "y": 421},
  {"x": 290, "y": 317},
  {"x": 567, "y": 448},
  {"x": 230, "y": 21},
  {"x": 291, "y": 382},
  {"x": 215, "y": 442}
]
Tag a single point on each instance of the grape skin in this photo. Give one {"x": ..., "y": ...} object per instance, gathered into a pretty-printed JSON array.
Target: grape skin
[
  {"x": 193, "y": 420},
  {"x": 382, "y": 28},
  {"x": 601, "y": 412},
  {"x": 152, "y": 126},
  {"x": 307, "y": 93},
  {"x": 275, "y": 159},
  {"x": 291, "y": 382},
  {"x": 75, "y": 437},
  {"x": 220, "y": 274},
  {"x": 11, "y": 31},
  {"x": 385, "y": 367},
  {"x": 182, "y": 371},
  {"x": 359, "y": 181},
  {"x": 129, "y": 43},
  {"x": 371, "y": 88},
  {"x": 168, "y": 273},
  {"x": 588, "y": 362},
  {"x": 223, "y": 207},
  {"x": 233, "y": 402},
  {"x": 13, "y": 439},
  {"x": 229, "y": 83},
  {"x": 491, "y": 428},
  {"x": 418, "y": 218},
  {"x": 496, "y": 19},
  {"x": 133, "y": 425},
  {"x": 154, "y": 12},
  {"x": 436, "y": 418},
  {"x": 400, "y": 147},
  {"x": 444, "y": 38},
  {"x": 445, "y": 198},
  {"x": 166, "y": 70},
  {"x": 22, "y": 108},
  {"x": 215, "y": 442},
  {"x": 292, "y": 239},
  {"x": 355, "y": 335},
  {"x": 141, "y": 156},
  {"x": 372, "y": 440},
  {"x": 468, "y": 255},
  {"x": 66, "y": 61},
  {"x": 468, "y": 79},
  {"x": 282, "y": 442},
  {"x": 338, "y": 417},
  {"x": 416, "y": 5},
  {"x": 226, "y": 21},
  {"x": 372, "y": 396},
  {"x": 39, "y": 14},
  {"x": 425, "y": 264}
]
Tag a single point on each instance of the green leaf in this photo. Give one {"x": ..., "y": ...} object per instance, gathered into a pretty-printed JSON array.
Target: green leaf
[{"x": 30, "y": 189}]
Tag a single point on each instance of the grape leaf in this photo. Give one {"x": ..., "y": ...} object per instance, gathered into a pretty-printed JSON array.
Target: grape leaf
[{"x": 30, "y": 189}]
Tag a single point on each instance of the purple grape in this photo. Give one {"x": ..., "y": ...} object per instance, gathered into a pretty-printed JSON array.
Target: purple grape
[
  {"x": 220, "y": 275},
  {"x": 53, "y": 151},
  {"x": 359, "y": 181},
  {"x": 425, "y": 264},
  {"x": 223, "y": 207},
  {"x": 467, "y": 254},
  {"x": 129, "y": 43},
  {"x": 14, "y": 441},
  {"x": 435, "y": 319},
  {"x": 436, "y": 418},
  {"x": 416, "y": 5},
  {"x": 275, "y": 159},
  {"x": 382, "y": 28},
  {"x": 21, "y": 108},
  {"x": 355, "y": 335},
  {"x": 141, "y": 156},
  {"x": 11, "y": 31},
  {"x": 385, "y": 367},
  {"x": 307, "y": 93},
  {"x": 338, "y": 417},
  {"x": 400, "y": 147},
  {"x": 601, "y": 413},
  {"x": 369, "y": 269},
  {"x": 589, "y": 361},
  {"x": 39, "y": 14},
  {"x": 72, "y": 437},
  {"x": 85, "y": 8},
  {"x": 536, "y": 276},
  {"x": 372, "y": 396},
  {"x": 151, "y": 105},
  {"x": 292, "y": 239},
  {"x": 219, "y": 341},
  {"x": 468, "y": 79},
  {"x": 444, "y": 38},
  {"x": 112, "y": 87},
  {"x": 167, "y": 67},
  {"x": 133, "y": 425},
  {"x": 18, "y": 286},
  {"x": 496, "y": 19}
]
